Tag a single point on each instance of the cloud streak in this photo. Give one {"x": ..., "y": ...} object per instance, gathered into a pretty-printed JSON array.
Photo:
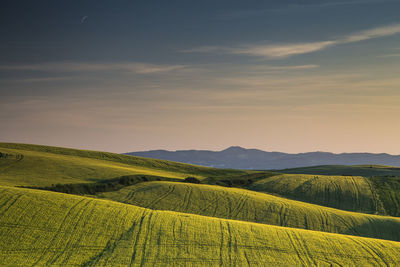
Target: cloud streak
[
  {"x": 294, "y": 67},
  {"x": 135, "y": 67},
  {"x": 390, "y": 55},
  {"x": 292, "y": 49}
]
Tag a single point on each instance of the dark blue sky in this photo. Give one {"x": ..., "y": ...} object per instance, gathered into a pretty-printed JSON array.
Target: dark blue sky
[
  {"x": 34, "y": 31},
  {"x": 133, "y": 75}
]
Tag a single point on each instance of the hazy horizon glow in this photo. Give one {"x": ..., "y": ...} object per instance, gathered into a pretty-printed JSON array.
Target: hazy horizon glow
[{"x": 277, "y": 76}]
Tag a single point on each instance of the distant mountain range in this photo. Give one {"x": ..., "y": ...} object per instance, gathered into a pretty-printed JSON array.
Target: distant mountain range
[{"x": 240, "y": 158}]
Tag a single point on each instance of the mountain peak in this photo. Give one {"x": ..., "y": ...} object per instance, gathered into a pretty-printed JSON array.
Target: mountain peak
[{"x": 234, "y": 149}]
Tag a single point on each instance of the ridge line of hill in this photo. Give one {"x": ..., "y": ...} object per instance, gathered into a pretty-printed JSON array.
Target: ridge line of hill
[{"x": 242, "y": 158}]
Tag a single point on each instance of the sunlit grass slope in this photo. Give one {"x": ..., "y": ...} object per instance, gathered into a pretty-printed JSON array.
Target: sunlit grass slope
[
  {"x": 245, "y": 205},
  {"x": 356, "y": 170},
  {"x": 33, "y": 165},
  {"x": 353, "y": 193},
  {"x": 46, "y": 228}
]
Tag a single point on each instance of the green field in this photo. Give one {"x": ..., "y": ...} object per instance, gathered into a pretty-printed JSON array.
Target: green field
[
  {"x": 130, "y": 211},
  {"x": 353, "y": 193},
  {"x": 47, "y": 228},
  {"x": 388, "y": 188},
  {"x": 32, "y": 165},
  {"x": 377, "y": 192},
  {"x": 357, "y": 170},
  {"x": 246, "y": 205}
]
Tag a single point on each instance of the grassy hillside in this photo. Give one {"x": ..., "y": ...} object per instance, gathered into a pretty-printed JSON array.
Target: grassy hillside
[
  {"x": 245, "y": 205},
  {"x": 374, "y": 195},
  {"x": 47, "y": 228},
  {"x": 350, "y": 193},
  {"x": 184, "y": 224},
  {"x": 32, "y": 165},
  {"x": 358, "y": 170},
  {"x": 388, "y": 188}
]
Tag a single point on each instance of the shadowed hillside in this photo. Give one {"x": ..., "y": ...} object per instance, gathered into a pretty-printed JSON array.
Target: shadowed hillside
[
  {"x": 362, "y": 170},
  {"x": 353, "y": 193}
]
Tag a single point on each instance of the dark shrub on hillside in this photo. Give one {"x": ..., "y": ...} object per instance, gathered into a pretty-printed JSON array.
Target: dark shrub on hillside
[
  {"x": 192, "y": 180},
  {"x": 227, "y": 183},
  {"x": 103, "y": 185}
]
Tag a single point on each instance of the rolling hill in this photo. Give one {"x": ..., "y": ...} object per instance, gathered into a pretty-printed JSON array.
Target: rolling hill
[
  {"x": 47, "y": 228},
  {"x": 134, "y": 211},
  {"x": 352, "y": 193},
  {"x": 33, "y": 165},
  {"x": 357, "y": 170},
  {"x": 246, "y": 205}
]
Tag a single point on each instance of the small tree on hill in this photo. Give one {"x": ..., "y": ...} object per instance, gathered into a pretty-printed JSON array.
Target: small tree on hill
[{"x": 192, "y": 180}]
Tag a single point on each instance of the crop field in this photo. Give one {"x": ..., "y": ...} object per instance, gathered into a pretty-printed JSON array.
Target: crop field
[
  {"x": 353, "y": 193},
  {"x": 245, "y": 205},
  {"x": 388, "y": 189},
  {"x": 47, "y": 228},
  {"x": 356, "y": 170},
  {"x": 30, "y": 165},
  {"x": 130, "y": 211}
]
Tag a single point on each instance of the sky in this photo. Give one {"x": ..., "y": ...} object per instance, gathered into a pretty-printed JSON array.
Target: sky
[{"x": 279, "y": 75}]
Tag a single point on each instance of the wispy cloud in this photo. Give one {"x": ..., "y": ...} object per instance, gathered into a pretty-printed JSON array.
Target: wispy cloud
[
  {"x": 291, "y": 49},
  {"x": 390, "y": 55},
  {"x": 282, "y": 51},
  {"x": 285, "y": 68},
  {"x": 371, "y": 34},
  {"x": 140, "y": 68},
  {"x": 45, "y": 79}
]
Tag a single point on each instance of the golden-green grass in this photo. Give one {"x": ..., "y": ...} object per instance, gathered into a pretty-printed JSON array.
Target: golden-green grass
[
  {"x": 181, "y": 224},
  {"x": 32, "y": 165},
  {"x": 352, "y": 193},
  {"x": 246, "y": 205},
  {"x": 44, "y": 228},
  {"x": 352, "y": 170}
]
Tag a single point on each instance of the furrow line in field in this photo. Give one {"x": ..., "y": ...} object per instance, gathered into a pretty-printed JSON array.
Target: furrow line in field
[
  {"x": 239, "y": 206},
  {"x": 88, "y": 211},
  {"x": 373, "y": 256},
  {"x": 229, "y": 244},
  {"x": 110, "y": 247},
  {"x": 147, "y": 235},
  {"x": 295, "y": 249},
  {"x": 221, "y": 246},
  {"x": 13, "y": 199},
  {"x": 211, "y": 204},
  {"x": 188, "y": 195},
  {"x": 75, "y": 221},
  {"x": 130, "y": 195},
  {"x": 304, "y": 248},
  {"x": 62, "y": 225},
  {"x": 137, "y": 236},
  {"x": 171, "y": 189}
]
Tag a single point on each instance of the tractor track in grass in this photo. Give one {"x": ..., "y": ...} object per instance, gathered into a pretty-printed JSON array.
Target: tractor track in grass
[{"x": 64, "y": 224}]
